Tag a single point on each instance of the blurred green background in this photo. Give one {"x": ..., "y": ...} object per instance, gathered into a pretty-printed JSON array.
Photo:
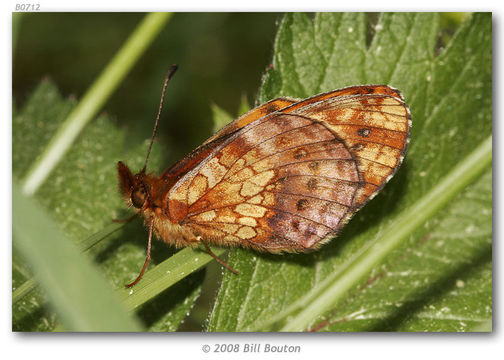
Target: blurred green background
[{"x": 221, "y": 57}]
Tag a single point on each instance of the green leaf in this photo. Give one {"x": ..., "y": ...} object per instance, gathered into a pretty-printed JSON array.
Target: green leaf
[
  {"x": 220, "y": 117},
  {"x": 81, "y": 196},
  {"x": 436, "y": 275},
  {"x": 244, "y": 106}
]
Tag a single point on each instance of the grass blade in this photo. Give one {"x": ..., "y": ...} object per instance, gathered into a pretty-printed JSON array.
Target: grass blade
[
  {"x": 93, "y": 100},
  {"x": 166, "y": 274},
  {"x": 84, "y": 246},
  {"x": 77, "y": 292}
]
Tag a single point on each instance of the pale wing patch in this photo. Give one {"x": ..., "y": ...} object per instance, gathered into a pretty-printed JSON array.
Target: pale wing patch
[
  {"x": 246, "y": 232},
  {"x": 198, "y": 187},
  {"x": 206, "y": 216},
  {"x": 250, "y": 210},
  {"x": 213, "y": 171},
  {"x": 249, "y": 221}
]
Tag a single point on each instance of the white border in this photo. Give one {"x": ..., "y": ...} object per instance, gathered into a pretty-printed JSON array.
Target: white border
[{"x": 163, "y": 346}]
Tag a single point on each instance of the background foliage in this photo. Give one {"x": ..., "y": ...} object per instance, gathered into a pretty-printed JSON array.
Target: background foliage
[{"x": 438, "y": 279}]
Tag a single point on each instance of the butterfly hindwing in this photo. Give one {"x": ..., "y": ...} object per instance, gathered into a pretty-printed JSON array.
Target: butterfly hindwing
[{"x": 281, "y": 183}]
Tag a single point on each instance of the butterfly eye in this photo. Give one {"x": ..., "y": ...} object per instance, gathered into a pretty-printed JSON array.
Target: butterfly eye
[{"x": 138, "y": 196}]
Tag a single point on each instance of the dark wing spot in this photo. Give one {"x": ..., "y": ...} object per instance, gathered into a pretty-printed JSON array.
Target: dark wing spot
[
  {"x": 358, "y": 146},
  {"x": 302, "y": 204},
  {"x": 295, "y": 224},
  {"x": 282, "y": 180},
  {"x": 312, "y": 183},
  {"x": 370, "y": 90},
  {"x": 300, "y": 153},
  {"x": 271, "y": 108},
  {"x": 274, "y": 219},
  {"x": 363, "y": 132},
  {"x": 314, "y": 165}
]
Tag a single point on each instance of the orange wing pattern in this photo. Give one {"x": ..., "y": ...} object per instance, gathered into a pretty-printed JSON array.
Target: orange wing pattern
[
  {"x": 289, "y": 174},
  {"x": 374, "y": 123}
]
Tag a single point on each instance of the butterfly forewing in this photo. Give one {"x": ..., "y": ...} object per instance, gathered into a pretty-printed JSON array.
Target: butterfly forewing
[
  {"x": 254, "y": 114},
  {"x": 374, "y": 123}
]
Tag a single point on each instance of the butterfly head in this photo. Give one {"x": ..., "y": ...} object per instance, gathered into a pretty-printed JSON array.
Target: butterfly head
[{"x": 134, "y": 188}]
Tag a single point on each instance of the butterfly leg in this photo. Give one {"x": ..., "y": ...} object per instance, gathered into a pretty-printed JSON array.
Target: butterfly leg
[
  {"x": 216, "y": 257},
  {"x": 147, "y": 258},
  {"x": 125, "y": 221}
]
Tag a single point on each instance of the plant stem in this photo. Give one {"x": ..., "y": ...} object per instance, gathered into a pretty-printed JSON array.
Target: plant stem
[{"x": 99, "y": 92}]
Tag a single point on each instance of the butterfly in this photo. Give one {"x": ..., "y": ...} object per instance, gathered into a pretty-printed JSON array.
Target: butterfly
[{"x": 284, "y": 177}]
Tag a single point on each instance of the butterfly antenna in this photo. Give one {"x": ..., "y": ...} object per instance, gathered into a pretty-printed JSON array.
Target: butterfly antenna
[{"x": 169, "y": 74}]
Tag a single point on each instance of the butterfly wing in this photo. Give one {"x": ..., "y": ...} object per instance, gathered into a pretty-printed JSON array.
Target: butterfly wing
[
  {"x": 180, "y": 168},
  {"x": 287, "y": 181},
  {"x": 254, "y": 114},
  {"x": 373, "y": 121}
]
